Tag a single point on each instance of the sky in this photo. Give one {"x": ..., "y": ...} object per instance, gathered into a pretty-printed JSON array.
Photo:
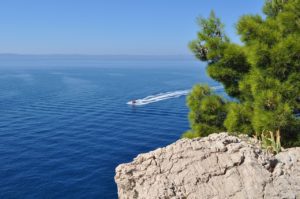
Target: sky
[{"x": 111, "y": 27}]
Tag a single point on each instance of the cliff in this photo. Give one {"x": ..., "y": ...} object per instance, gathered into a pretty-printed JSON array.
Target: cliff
[{"x": 217, "y": 166}]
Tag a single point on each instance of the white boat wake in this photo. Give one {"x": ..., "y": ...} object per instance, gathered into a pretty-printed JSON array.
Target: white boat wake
[{"x": 164, "y": 96}]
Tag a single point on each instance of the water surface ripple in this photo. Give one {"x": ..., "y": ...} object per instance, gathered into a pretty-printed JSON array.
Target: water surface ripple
[{"x": 63, "y": 132}]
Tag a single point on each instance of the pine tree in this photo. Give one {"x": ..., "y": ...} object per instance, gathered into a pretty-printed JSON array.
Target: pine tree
[
  {"x": 263, "y": 74},
  {"x": 207, "y": 112}
]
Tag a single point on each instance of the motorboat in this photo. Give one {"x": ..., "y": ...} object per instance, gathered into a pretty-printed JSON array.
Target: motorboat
[{"x": 132, "y": 102}]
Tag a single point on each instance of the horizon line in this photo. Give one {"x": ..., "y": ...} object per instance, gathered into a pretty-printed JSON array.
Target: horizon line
[{"x": 83, "y": 54}]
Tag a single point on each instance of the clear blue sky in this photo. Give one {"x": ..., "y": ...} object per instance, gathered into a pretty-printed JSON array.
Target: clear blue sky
[{"x": 154, "y": 27}]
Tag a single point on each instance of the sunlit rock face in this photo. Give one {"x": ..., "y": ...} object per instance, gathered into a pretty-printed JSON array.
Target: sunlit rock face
[{"x": 217, "y": 166}]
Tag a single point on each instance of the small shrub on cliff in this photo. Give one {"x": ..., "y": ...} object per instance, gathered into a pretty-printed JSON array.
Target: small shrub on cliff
[
  {"x": 263, "y": 74},
  {"x": 271, "y": 142}
]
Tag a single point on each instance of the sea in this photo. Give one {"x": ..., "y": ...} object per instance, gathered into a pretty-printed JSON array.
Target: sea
[{"x": 66, "y": 122}]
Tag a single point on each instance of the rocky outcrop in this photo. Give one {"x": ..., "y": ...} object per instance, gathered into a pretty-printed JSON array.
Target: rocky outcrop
[{"x": 217, "y": 166}]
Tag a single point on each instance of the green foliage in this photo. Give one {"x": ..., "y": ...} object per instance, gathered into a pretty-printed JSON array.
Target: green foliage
[
  {"x": 207, "y": 112},
  {"x": 190, "y": 134},
  {"x": 226, "y": 61},
  {"x": 211, "y": 36},
  {"x": 273, "y": 7},
  {"x": 263, "y": 74},
  {"x": 239, "y": 118}
]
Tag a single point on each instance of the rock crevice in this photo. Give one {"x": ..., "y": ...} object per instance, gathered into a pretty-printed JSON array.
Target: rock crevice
[{"x": 217, "y": 166}]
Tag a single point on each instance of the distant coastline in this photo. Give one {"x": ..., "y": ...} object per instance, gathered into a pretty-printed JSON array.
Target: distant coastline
[
  {"x": 10, "y": 60},
  {"x": 97, "y": 56}
]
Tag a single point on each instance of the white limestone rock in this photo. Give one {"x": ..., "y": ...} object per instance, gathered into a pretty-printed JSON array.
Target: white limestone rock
[{"x": 217, "y": 166}]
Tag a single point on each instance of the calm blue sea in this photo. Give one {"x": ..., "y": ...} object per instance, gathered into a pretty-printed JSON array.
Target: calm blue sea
[{"x": 65, "y": 124}]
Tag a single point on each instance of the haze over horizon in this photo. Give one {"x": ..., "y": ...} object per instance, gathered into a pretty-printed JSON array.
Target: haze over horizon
[{"x": 110, "y": 27}]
